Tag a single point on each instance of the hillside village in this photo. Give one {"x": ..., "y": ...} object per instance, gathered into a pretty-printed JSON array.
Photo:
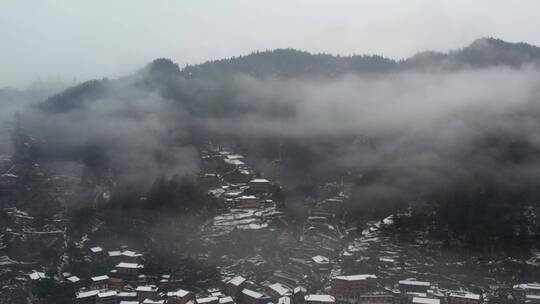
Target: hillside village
[{"x": 317, "y": 261}]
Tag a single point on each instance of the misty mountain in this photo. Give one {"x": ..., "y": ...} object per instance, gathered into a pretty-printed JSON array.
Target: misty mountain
[
  {"x": 76, "y": 96},
  {"x": 453, "y": 136},
  {"x": 176, "y": 83},
  {"x": 482, "y": 53},
  {"x": 16, "y": 100},
  {"x": 290, "y": 63}
]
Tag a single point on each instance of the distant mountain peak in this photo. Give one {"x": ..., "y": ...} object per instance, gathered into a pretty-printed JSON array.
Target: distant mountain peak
[
  {"x": 487, "y": 41},
  {"x": 490, "y": 51},
  {"x": 163, "y": 66}
]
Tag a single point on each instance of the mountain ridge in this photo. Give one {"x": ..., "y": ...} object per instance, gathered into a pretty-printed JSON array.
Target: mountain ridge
[
  {"x": 508, "y": 53},
  {"x": 166, "y": 77}
]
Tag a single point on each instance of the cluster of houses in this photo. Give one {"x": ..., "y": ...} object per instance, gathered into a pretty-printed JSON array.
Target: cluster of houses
[
  {"x": 310, "y": 260},
  {"x": 126, "y": 284},
  {"x": 343, "y": 289},
  {"x": 306, "y": 276},
  {"x": 244, "y": 198},
  {"x": 348, "y": 289},
  {"x": 232, "y": 181}
]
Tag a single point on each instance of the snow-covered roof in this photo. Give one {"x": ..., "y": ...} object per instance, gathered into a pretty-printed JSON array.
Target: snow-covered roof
[
  {"x": 280, "y": 289},
  {"x": 87, "y": 294},
  {"x": 207, "y": 300},
  {"x": 100, "y": 278},
  {"x": 146, "y": 288},
  {"x": 418, "y": 300},
  {"x": 234, "y": 162},
  {"x": 234, "y": 156},
  {"x": 237, "y": 281},
  {"x": 36, "y": 275},
  {"x": 357, "y": 277},
  {"x": 150, "y": 301},
  {"x": 334, "y": 200},
  {"x": 126, "y": 294},
  {"x": 129, "y": 265},
  {"x": 131, "y": 254},
  {"x": 465, "y": 295},
  {"x": 253, "y": 294},
  {"x": 532, "y": 297},
  {"x": 216, "y": 192},
  {"x": 528, "y": 286},
  {"x": 233, "y": 193},
  {"x": 299, "y": 289},
  {"x": 247, "y": 197},
  {"x": 319, "y": 259},
  {"x": 96, "y": 249},
  {"x": 226, "y": 300},
  {"x": 317, "y": 218},
  {"x": 259, "y": 180},
  {"x": 129, "y": 302},
  {"x": 180, "y": 293},
  {"x": 414, "y": 283},
  {"x": 436, "y": 292},
  {"x": 114, "y": 253},
  {"x": 320, "y": 298},
  {"x": 109, "y": 293},
  {"x": 73, "y": 279}
]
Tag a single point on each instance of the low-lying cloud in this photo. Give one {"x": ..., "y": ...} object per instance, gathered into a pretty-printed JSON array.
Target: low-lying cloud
[
  {"x": 140, "y": 135},
  {"x": 420, "y": 131}
]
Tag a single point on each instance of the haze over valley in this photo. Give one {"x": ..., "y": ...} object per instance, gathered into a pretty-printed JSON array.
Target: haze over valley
[{"x": 275, "y": 176}]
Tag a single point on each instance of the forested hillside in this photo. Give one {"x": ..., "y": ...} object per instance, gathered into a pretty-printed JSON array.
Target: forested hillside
[{"x": 463, "y": 152}]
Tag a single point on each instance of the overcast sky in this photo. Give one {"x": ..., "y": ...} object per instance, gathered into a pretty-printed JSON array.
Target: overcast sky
[{"x": 68, "y": 40}]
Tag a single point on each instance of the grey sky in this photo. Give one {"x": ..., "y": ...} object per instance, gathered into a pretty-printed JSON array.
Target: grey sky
[{"x": 64, "y": 40}]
